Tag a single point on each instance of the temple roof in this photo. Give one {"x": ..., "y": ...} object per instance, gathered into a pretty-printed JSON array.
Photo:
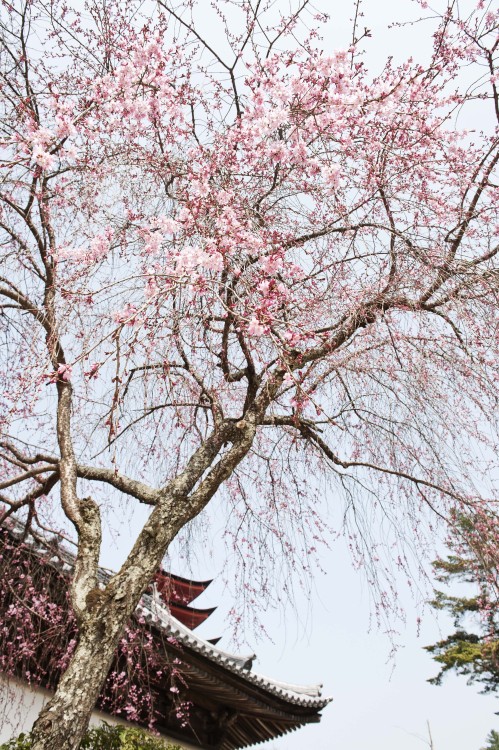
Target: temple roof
[
  {"x": 232, "y": 706},
  {"x": 154, "y": 612}
]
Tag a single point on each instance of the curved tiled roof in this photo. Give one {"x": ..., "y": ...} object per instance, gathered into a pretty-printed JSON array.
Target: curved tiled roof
[
  {"x": 266, "y": 708},
  {"x": 155, "y": 613}
]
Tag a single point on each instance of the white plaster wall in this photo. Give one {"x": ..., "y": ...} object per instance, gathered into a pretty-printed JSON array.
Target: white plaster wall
[{"x": 20, "y": 705}]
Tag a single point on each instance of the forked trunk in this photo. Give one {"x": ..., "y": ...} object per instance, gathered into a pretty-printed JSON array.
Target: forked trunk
[{"x": 105, "y": 613}]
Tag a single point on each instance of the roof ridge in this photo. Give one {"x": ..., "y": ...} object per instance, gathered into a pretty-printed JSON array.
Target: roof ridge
[
  {"x": 305, "y": 695},
  {"x": 155, "y": 611}
]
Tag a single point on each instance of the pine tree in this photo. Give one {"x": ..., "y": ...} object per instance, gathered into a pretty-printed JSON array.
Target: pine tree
[
  {"x": 473, "y": 649},
  {"x": 493, "y": 741}
]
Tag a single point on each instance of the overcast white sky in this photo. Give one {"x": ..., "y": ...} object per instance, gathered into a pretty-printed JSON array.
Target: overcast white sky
[{"x": 379, "y": 703}]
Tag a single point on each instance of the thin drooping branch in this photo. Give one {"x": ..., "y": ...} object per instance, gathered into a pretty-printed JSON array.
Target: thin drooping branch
[{"x": 310, "y": 434}]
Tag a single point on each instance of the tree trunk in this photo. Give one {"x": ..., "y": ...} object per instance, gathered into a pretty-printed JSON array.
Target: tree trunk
[
  {"x": 103, "y": 614},
  {"x": 64, "y": 719}
]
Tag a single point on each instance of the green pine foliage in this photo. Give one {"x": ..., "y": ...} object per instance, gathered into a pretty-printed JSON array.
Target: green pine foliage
[
  {"x": 493, "y": 741},
  {"x": 105, "y": 737},
  {"x": 22, "y": 742},
  {"x": 473, "y": 649}
]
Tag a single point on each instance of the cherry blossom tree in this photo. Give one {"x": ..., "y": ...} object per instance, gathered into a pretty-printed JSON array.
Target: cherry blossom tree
[{"x": 228, "y": 267}]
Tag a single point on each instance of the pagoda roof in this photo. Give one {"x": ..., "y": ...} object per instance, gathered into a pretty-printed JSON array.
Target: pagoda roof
[
  {"x": 186, "y": 588},
  {"x": 192, "y": 617},
  {"x": 178, "y": 593}
]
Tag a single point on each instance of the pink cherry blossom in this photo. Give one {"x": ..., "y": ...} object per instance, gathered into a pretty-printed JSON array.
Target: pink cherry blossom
[{"x": 255, "y": 328}]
